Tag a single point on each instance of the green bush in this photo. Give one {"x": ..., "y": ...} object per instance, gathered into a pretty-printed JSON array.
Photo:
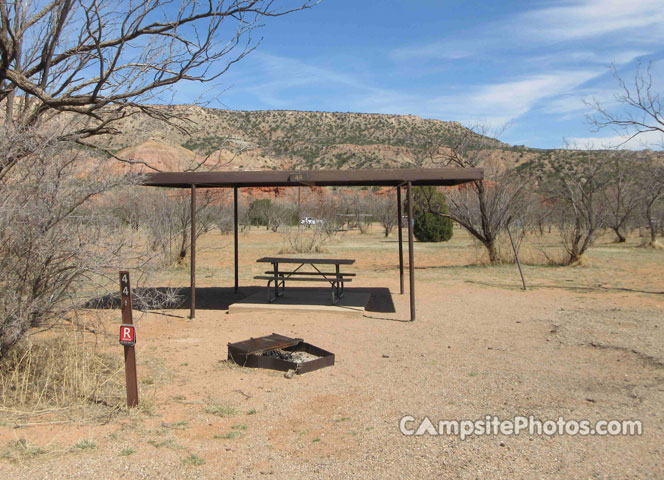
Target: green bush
[
  {"x": 259, "y": 211},
  {"x": 429, "y": 227}
]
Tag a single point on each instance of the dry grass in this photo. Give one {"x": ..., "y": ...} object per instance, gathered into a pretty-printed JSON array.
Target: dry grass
[
  {"x": 18, "y": 451},
  {"x": 59, "y": 373},
  {"x": 656, "y": 245}
]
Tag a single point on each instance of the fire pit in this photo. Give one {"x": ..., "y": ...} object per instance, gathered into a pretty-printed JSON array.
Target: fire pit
[{"x": 278, "y": 352}]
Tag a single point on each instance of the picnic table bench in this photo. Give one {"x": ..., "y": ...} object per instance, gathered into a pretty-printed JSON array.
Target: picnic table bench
[{"x": 336, "y": 279}]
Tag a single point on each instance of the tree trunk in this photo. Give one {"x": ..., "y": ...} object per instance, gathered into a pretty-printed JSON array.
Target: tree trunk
[
  {"x": 574, "y": 251},
  {"x": 651, "y": 223},
  {"x": 573, "y": 258},
  {"x": 183, "y": 247},
  {"x": 493, "y": 253},
  {"x": 619, "y": 234}
]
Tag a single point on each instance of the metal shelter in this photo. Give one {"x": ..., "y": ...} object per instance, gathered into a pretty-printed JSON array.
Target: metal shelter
[{"x": 397, "y": 178}]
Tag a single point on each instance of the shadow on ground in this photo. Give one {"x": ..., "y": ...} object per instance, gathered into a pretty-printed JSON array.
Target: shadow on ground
[
  {"x": 219, "y": 298},
  {"x": 573, "y": 288}
]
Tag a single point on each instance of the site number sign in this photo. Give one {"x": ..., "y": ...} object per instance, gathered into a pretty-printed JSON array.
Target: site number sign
[{"x": 128, "y": 339}]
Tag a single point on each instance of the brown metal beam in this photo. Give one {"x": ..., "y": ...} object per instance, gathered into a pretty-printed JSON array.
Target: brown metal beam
[
  {"x": 399, "y": 229},
  {"x": 237, "y": 286},
  {"x": 192, "y": 313},
  {"x": 291, "y": 178},
  {"x": 411, "y": 254}
]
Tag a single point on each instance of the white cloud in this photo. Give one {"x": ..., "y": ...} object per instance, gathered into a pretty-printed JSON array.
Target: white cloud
[
  {"x": 651, "y": 140},
  {"x": 574, "y": 102},
  {"x": 592, "y": 18},
  {"x": 282, "y": 82},
  {"x": 449, "y": 50},
  {"x": 506, "y": 101},
  {"x": 619, "y": 23},
  {"x": 277, "y": 81},
  {"x": 597, "y": 57}
]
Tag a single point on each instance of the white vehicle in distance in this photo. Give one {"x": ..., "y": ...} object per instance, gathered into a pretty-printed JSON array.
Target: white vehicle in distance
[{"x": 309, "y": 221}]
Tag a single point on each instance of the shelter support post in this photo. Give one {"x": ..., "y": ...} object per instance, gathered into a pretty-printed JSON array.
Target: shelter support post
[
  {"x": 399, "y": 230},
  {"x": 411, "y": 255},
  {"x": 236, "y": 236},
  {"x": 192, "y": 313}
]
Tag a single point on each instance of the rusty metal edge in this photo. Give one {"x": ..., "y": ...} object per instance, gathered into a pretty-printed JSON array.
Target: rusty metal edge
[{"x": 326, "y": 359}]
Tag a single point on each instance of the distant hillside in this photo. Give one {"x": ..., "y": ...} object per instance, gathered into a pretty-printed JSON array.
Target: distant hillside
[{"x": 282, "y": 139}]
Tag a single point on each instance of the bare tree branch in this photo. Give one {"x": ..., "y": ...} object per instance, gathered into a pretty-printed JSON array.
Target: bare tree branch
[
  {"x": 642, "y": 108},
  {"x": 98, "y": 60}
]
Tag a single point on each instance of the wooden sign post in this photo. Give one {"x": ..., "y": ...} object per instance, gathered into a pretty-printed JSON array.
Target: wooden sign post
[{"x": 128, "y": 339}]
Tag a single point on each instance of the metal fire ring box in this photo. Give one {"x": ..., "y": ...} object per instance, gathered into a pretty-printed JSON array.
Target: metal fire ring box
[{"x": 255, "y": 353}]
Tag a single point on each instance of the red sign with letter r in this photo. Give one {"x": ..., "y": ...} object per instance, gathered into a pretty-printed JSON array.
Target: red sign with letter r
[{"x": 127, "y": 335}]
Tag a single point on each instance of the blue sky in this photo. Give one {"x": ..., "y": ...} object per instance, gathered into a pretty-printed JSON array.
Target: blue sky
[{"x": 526, "y": 64}]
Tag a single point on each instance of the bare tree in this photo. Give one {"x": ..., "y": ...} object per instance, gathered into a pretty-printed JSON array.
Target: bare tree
[
  {"x": 166, "y": 218},
  {"x": 326, "y": 209},
  {"x": 541, "y": 213},
  {"x": 575, "y": 182},
  {"x": 56, "y": 237},
  {"x": 642, "y": 112},
  {"x": 623, "y": 195},
  {"x": 659, "y": 216},
  {"x": 650, "y": 180},
  {"x": 102, "y": 61},
  {"x": 224, "y": 217},
  {"x": 483, "y": 207},
  {"x": 69, "y": 71},
  {"x": 355, "y": 207},
  {"x": 385, "y": 211}
]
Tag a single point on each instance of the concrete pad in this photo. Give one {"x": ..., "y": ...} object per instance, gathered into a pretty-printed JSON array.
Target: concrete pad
[{"x": 314, "y": 300}]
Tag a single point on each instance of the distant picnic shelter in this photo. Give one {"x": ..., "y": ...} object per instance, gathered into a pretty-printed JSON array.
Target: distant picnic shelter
[{"x": 397, "y": 178}]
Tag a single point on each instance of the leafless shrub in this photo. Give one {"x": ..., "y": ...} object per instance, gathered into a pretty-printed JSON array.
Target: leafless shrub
[
  {"x": 328, "y": 209},
  {"x": 223, "y": 218},
  {"x": 166, "y": 218},
  {"x": 354, "y": 207},
  {"x": 314, "y": 238},
  {"x": 385, "y": 211},
  {"x": 55, "y": 237},
  {"x": 280, "y": 215},
  {"x": 305, "y": 240}
]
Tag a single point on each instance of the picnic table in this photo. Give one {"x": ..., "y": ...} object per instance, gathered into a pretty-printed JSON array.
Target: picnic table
[{"x": 336, "y": 279}]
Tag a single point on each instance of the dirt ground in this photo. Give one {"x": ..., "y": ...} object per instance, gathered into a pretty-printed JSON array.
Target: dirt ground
[{"x": 583, "y": 342}]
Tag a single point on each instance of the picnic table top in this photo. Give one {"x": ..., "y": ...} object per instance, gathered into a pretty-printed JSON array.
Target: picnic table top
[{"x": 322, "y": 261}]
